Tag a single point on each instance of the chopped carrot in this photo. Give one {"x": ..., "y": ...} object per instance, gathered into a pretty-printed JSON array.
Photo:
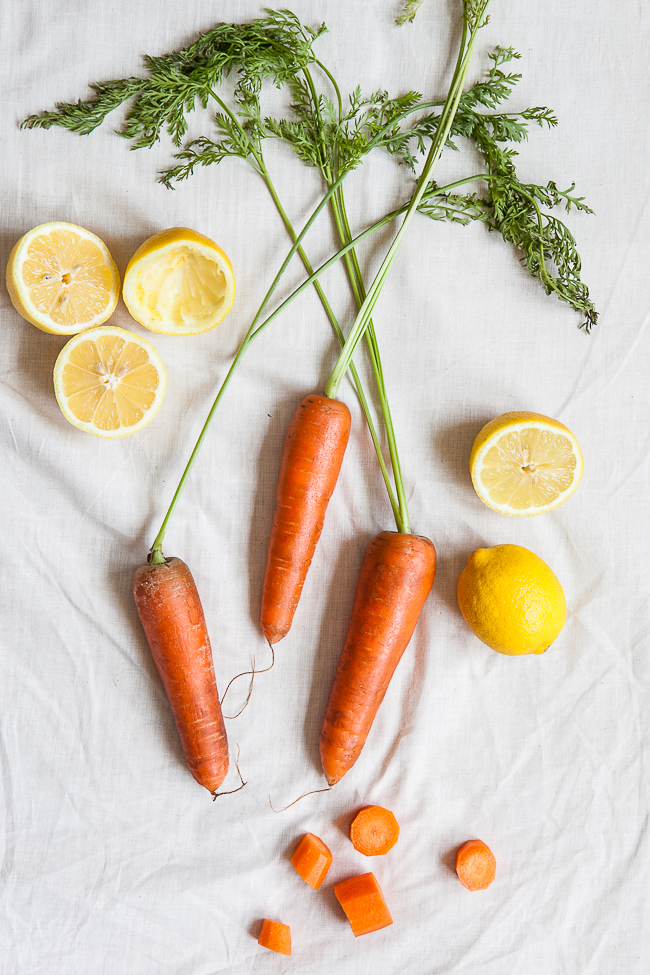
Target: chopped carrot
[
  {"x": 312, "y": 859},
  {"x": 374, "y": 831},
  {"x": 275, "y": 936},
  {"x": 363, "y": 902},
  {"x": 475, "y": 865}
]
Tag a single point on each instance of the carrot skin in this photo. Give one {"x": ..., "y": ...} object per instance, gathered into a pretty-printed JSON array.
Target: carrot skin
[
  {"x": 311, "y": 461},
  {"x": 172, "y": 616},
  {"x": 396, "y": 578}
]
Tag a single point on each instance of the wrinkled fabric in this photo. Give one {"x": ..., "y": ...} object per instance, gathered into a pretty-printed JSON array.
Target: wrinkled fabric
[{"x": 112, "y": 859}]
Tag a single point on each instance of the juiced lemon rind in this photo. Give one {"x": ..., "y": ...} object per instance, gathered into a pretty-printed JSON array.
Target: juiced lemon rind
[{"x": 179, "y": 282}]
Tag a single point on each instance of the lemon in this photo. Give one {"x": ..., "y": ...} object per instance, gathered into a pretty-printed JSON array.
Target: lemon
[
  {"x": 511, "y": 600},
  {"x": 179, "y": 282},
  {"x": 525, "y": 464},
  {"x": 62, "y": 278},
  {"x": 109, "y": 381}
]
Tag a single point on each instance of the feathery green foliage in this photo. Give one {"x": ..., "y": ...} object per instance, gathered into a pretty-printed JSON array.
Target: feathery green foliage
[{"x": 334, "y": 138}]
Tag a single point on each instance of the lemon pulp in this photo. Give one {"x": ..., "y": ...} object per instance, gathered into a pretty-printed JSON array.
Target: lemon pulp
[
  {"x": 109, "y": 381},
  {"x": 62, "y": 278},
  {"x": 525, "y": 464}
]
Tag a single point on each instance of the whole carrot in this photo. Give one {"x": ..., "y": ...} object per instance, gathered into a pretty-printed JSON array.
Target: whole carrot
[
  {"x": 396, "y": 578},
  {"x": 172, "y": 616},
  {"x": 311, "y": 462}
]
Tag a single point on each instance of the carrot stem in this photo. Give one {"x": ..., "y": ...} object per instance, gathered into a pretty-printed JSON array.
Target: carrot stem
[
  {"x": 442, "y": 132},
  {"x": 155, "y": 556}
]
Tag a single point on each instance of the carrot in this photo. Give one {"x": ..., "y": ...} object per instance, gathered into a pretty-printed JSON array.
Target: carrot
[
  {"x": 396, "y": 578},
  {"x": 311, "y": 461},
  {"x": 275, "y": 936},
  {"x": 311, "y": 860},
  {"x": 172, "y": 616},
  {"x": 363, "y": 902},
  {"x": 374, "y": 831},
  {"x": 475, "y": 865}
]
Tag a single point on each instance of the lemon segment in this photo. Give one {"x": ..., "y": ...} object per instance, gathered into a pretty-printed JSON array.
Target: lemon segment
[
  {"x": 179, "y": 282},
  {"x": 511, "y": 600},
  {"x": 109, "y": 382},
  {"x": 525, "y": 464},
  {"x": 62, "y": 278}
]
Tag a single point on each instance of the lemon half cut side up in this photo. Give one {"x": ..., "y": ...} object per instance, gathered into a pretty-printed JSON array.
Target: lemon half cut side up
[
  {"x": 525, "y": 464},
  {"x": 179, "y": 282},
  {"x": 62, "y": 278},
  {"x": 109, "y": 382}
]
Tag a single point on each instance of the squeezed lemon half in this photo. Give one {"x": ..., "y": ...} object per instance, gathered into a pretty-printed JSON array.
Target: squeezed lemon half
[
  {"x": 525, "y": 464},
  {"x": 109, "y": 382},
  {"x": 179, "y": 282},
  {"x": 62, "y": 278}
]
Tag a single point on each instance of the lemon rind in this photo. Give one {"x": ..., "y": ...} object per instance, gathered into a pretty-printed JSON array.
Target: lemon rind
[{"x": 153, "y": 249}]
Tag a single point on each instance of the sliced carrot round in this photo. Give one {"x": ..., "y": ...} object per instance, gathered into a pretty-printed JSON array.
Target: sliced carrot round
[
  {"x": 475, "y": 865},
  {"x": 374, "y": 831},
  {"x": 275, "y": 936}
]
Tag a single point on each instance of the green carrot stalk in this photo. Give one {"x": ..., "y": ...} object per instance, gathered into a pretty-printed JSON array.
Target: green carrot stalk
[{"x": 473, "y": 19}]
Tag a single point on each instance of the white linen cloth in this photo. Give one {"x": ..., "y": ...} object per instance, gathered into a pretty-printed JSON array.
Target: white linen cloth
[{"x": 113, "y": 860}]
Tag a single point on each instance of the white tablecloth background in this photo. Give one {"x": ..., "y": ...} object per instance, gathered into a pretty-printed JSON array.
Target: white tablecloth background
[{"x": 112, "y": 859}]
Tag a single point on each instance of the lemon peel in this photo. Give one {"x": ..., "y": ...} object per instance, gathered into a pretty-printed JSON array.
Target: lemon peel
[{"x": 511, "y": 600}]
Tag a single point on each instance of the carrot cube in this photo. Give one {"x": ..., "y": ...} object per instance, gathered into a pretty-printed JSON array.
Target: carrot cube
[
  {"x": 363, "y": 902},
  {"x": 275, "y": 936},
  {"x": 312, "y": 859}
]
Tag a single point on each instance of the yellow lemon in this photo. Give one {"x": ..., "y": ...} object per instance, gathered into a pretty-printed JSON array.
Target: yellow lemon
[
  {"x": 62, "y": 278},
  {"x": 511, "y": 600},
  {"x": 109, "y": 381},
  {"x": 179, "y": 282},
  {"x": 525, "y": 464}
]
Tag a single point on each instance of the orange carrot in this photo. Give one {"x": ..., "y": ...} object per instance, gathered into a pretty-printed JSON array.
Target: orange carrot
[
  {"x": 311, "y": 461},
  {"x": 395, "y": 580},
  {"x": 364, "y": 905},
  {"x": 475, "y": 865},
  {"x": 275, "y": 936},
  {"x": 374, "y": 831},
  {"x": 311, "y": 860},
  {"x": 172, "y": 616}
]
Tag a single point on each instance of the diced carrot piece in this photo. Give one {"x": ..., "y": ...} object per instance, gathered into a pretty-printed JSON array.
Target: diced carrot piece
[
  {"x": 312, "y": 859},
  {"x": 475, "y": 865},
  {"x": 363, "y": 902},
  {"x": 374, "y": 831},
  {"x": 275, "y": 936}
]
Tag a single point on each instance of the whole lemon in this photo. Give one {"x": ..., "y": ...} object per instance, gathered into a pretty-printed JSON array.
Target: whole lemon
[{"x": 511, "y": 600}]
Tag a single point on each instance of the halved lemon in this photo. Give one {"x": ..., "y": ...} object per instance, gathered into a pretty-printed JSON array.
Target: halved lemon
[
  {"x": 62, "y": 278},
  {"x": 109, "y": 381},
  {"x": 525, "y": 463},
  {"x": 179, "y": 282}
]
